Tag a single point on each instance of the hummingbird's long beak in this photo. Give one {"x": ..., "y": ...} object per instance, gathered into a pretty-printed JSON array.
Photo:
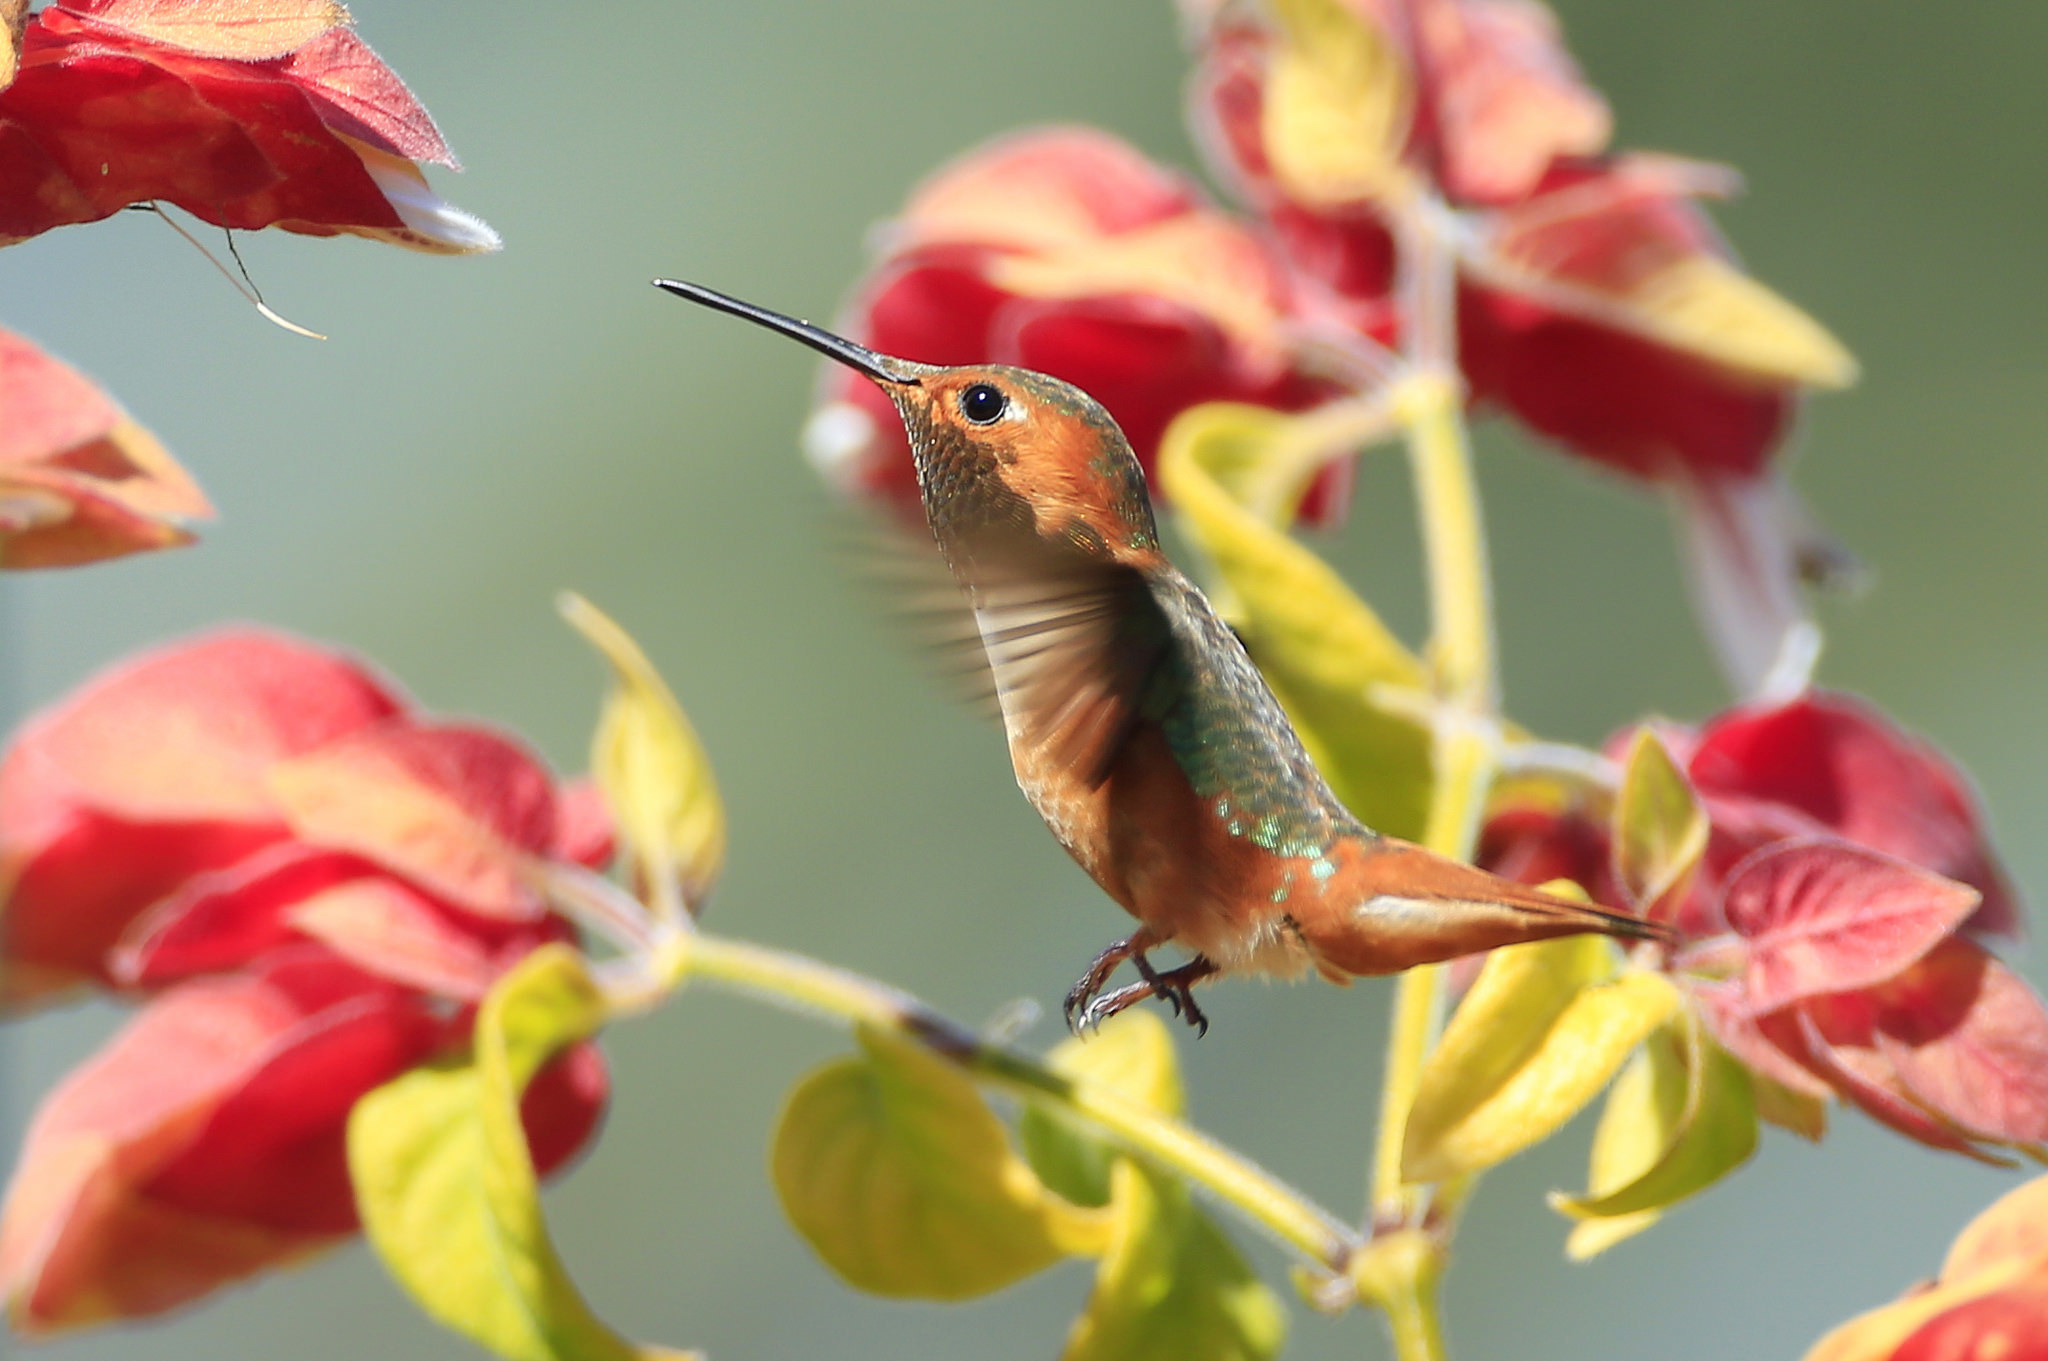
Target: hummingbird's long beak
[{"x": 880, "y": 367}]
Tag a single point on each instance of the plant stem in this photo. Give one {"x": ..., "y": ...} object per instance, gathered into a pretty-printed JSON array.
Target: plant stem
[{"x": 801, "y": 984}]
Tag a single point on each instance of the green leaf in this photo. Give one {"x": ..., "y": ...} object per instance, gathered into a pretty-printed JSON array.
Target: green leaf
[
  {"x": 1660, "y": 830},
  {"x": 1172, "y": 1287},
  {"x": 1688, "y": 1121},
  {"x": 1539, "y": 1034},
  {"x": 1133, "y": 1056},
  {"x": 650, "y": 764},
  {"x": 1326, "y": 654},
  {"x": 900, "y": 1177},
  {"x": 446, "y": 1186}
]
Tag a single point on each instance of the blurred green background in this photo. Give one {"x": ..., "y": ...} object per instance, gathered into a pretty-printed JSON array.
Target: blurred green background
[{"x": 480, "y": 433}]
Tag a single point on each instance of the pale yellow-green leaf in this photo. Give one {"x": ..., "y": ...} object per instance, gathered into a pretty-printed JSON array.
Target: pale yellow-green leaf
[
  {"x": 1131, "y": 1055},
  {"x": 1641, "y": 1118},
  {"x": 650, "y": 764},
  {"x": 1172, "y": 1286},
  {"x": 1695, "y": 1124},
  {"x": 1326, "y": 654},
  {"x": 1660, "y": 830},
  {"x": 900, "y": 1177},
  {"x": 1539, "y": 1034},
  {"x": 1336, "y": 105},
  {"x": 446, "y": 1186},
  {"x": 1709, "y": 307}
]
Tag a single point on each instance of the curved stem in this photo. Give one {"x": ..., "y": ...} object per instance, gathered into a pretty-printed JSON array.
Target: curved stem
[{"x": 798, "y": 983}]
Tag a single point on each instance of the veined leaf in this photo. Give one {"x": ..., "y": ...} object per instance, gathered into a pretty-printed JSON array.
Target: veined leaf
[
  {"x": 1680, "y": 1119},
  {"x": 1172, "y": 1287},
  {"x": 650, "y": 764},
  {"x": 446, "y": 1185},
  {"x": 900, "y": 1177},
  {"x": 1540, "y": 1033},
  {"x": 1132, "y": 1055},
  {"x": 1325, "y": 653},
  {"x": 1660, "y": 830}
]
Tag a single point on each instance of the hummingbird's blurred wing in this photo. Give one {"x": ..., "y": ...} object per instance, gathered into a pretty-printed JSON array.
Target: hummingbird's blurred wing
[{"x": 1075, "y": 645}]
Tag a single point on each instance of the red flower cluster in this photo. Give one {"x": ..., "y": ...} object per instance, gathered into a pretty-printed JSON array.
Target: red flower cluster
[
  {"x": 1831, "y": 931},
  {"x": 1582, "y": 291},
  {"x": 1066, "y": 251},
  {"x": 311, "y": 886},
  {"x": 271, "y": 115}
]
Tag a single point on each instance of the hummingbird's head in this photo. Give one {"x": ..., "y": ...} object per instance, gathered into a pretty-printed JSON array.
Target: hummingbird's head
[{"x": 994, "y": 444}]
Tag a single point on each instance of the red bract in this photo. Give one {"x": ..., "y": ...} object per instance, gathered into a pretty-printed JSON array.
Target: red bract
[
  {"x": 1066, "y": 251},
  {"x": 206, "y": 1141},
  {"x": 1595, "y": 302},
  {"x": 314, "y": 887},
  {"x": 250, "y": 115},
  {"x": 241, "y": 778},
  {"x": 1828, "y": 931},
  {"x": 79, "y": 480}
]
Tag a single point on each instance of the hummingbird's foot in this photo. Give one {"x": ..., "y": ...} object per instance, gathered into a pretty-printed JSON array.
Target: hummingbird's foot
[
  {"x": 1082, "y": 995},
  {"x": 1174, "y": 985},
  {"x": 1170, "y": 986}
]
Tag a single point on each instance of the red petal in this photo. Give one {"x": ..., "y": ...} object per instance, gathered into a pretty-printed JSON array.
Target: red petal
[
  {"x": 273, "y": 1153},
  {"x": 188, "y": 732},
  {"x": 220, "y": 921},
  {"x": 1633, "y": 405},
  {"x": 1833, "y": 1037},
  {"x": 1503, "y": 98},
  {"x": 584, "y": 831},
  {"x": 2005, "y": 1325},
  {"x": 1969, "y": 1039},
  {"x": 1830, "y": 917},
  {"x": 1840, "y": 762},
  {"x": 79, "y": 1242},
  {"x": 358, "y": 94},
  {"x": 98, "y": 120},
  {"x": 459, "y": 810},
  {"x": 564, "y": 1105}
]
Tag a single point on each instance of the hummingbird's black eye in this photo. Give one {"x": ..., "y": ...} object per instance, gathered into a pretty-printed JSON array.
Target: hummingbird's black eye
[{"x": 984, "y": 403}]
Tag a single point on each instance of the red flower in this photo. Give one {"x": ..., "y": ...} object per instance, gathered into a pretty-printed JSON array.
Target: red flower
[
  {"x": 1595, "y": 302},
  {"x": 1066, "y": 251},
  {"x": 79, "y": 480},
  {"x": 1828, "y": 933},
  {"x": 313, "y": 887},
  {"x": 1990, "y": 1301},
  {"x": 276, "y": 117},
  {"x": 206, "y": 1141}
]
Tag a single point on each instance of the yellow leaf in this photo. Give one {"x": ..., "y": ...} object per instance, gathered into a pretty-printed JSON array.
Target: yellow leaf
[
  {"x": 1705, "y": 305},
  {"x": 900, "y": 1177},
  {"x": 446, "y": 1186},
  {"x": 239, "y": 30},
  {"x": 1680, "y": 1119},
  {"x": 1326, "y": 654},
  {"x": 1537, "y": 1037},
  {"x": 1660, "y": 830},
  {"x": 652, "y": 768},
  {"x": 1336, "y": 108},
  {"x": 1133, "y": 1056},
  {"x": 1172, "y": 1287}
]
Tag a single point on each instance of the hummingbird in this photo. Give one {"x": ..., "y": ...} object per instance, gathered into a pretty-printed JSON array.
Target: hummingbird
[{"x": 1139, "y": 727}]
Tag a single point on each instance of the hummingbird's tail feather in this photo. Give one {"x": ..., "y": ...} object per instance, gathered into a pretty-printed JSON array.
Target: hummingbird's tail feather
[{"x": 1393, "y": 905}]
